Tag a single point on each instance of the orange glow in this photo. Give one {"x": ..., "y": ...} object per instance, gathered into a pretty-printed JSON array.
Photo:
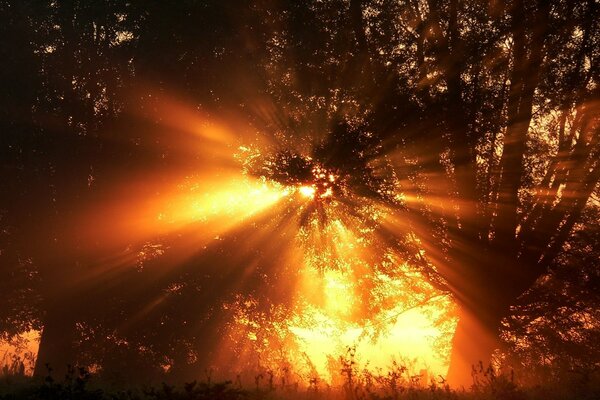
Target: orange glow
[
  {"x": 344, "y": 300},
  {"x": 350, "y": 288},
  {"x": 21, "y": 354}
]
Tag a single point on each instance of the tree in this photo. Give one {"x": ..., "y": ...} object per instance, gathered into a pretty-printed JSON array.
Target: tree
[
  {"x": 496, "y": 81},
  {"x": 501, "y": 96},
  {"x": 18, "y": 77},
  {"x": 560, "y": 345}
]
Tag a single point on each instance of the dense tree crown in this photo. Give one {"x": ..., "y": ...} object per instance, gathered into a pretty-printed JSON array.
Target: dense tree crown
[{"x": 462, "y": 135}]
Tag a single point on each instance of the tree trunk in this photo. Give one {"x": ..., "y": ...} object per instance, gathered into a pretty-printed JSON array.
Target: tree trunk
[
  {"x": 56, "y": 349},
  {"x": 473, "y": 345},
  {"x": 484, "y": 302}
]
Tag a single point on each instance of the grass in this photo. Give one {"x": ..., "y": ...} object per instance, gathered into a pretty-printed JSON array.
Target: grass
[
  {"x": 397, "y": 383},
  {"x": 79, "y": 383}
]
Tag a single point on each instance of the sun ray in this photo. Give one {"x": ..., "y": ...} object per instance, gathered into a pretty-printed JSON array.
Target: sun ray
[{"x": 304, "y": 260}]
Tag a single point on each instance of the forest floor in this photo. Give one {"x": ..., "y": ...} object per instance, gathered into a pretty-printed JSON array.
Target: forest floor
[{"x": 86, "y": 388}]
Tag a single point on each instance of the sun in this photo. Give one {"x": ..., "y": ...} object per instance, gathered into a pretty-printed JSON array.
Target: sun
[
  {"x": 307, "y": 191},
  {"x": 321, "y": 185}
]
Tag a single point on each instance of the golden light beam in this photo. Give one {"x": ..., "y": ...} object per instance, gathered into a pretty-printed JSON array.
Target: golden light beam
[{"x": 346, "y": 286}]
